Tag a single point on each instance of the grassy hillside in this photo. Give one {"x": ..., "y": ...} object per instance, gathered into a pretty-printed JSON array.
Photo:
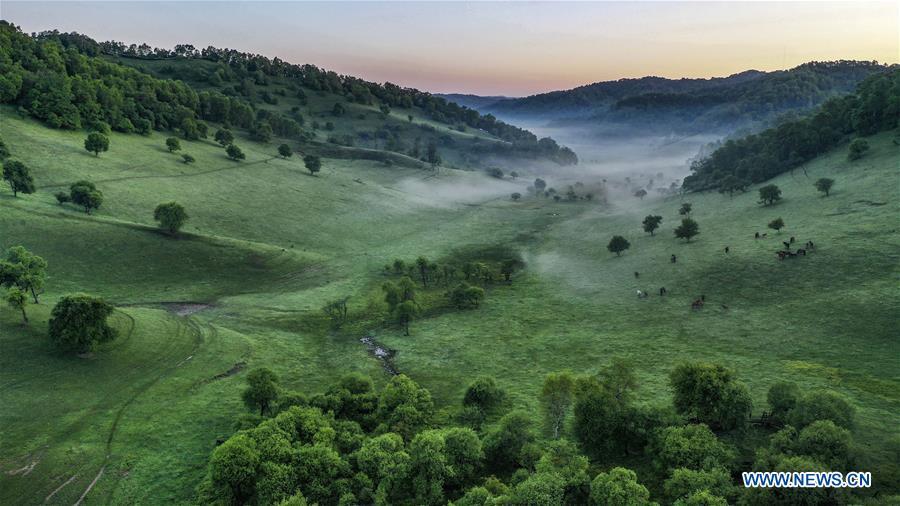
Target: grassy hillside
[{"x": 267, "y": 245}]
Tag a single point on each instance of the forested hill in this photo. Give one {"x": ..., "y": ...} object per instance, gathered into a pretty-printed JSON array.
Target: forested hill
[
  {"x": 71, "y": 81},
  {"x": 697, "y": 104},
  {"x": 875, "y": 107}
]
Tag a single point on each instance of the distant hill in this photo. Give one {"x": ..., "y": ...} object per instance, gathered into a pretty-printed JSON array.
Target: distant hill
[
  {"x": 476, "y": 102},
  {"x": 739, "y": 100}
]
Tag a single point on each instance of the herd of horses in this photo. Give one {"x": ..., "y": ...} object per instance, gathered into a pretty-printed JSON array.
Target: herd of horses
[{"x": 698, "y": 303}]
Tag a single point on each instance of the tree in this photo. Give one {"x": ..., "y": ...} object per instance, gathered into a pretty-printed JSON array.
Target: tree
[
  {"x": 731, "y": 183},
  {"x": 827, "y": 443},
  {"x": 503, "y": 446},
  {"x": 262, "y": 390},
  {"x": 405, "y": 312},
  {"x": 769, "y": 194},
  {"x": 686, "y": 482},
  {"x": 86, "y": 195},
  {"x": 782, "y": 398},
  {"x": 187, "y": 159},
  {"x": 496, "y": 172},
  {"x": 685, "y": 209},
  {"x": 96, "y": 143},
  {"x": 822, "y": 405},
  {"x": 824, "y": 185},
  {"x": 313, "y": 164},
  {"x": 173, "y": 144},
  {"x": 539, "y": 185},
  {"x": 17, "y": 300},
  {"x": 516, "y": 196},
  {"x": 432, "y": 156},
  {"x": 689, "y": 447},
  {"x": 619, "y": 486},
  {"x": 514, "y": 175},
  {"x": 465, "y": 296},
  {"x": 556, "y": 401},
  {"x": 428, "y": 467},
  {"x": 709, "y": 394},
  {"x": 336, "y": 311},
  {"x": 62, "y": 197},
  {"x": 4, "y": 151},
  {"x": 641, "y": 193},
  {"x": 484, "y": 394},
  {"x": 687, "y": 230},
  {"x": 171, "y": 216},
  {"x": 776, "y": 224},
  {"x": 857, "y": 149},
  {"x": 224, "y": 137},
  {"x": 285, "y": 151},
  {"x": 18, "y": 176},
  {"x": 24, "y": 270},
  {"x": 509, "y": 266},
  {"x": 78, "y": 323},
  {"x": 618, "y": 244},
  {"x": 234, "y": 466},
  {"x": 651, "y": 223},
  {"x": 234, "y": 153}
]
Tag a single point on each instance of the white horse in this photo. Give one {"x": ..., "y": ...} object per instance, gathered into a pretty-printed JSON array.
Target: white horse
[{"x": 642, "y": 294}]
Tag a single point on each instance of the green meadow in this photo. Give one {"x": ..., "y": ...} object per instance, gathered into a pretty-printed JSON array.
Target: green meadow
[{"x": 267, "y": 245}]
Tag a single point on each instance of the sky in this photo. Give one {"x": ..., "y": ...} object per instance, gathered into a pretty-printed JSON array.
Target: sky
[{"x": 497, "y": 48}]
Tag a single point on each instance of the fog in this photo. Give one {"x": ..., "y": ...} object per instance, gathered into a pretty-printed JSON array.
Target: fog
[{"x": 465, "y": 189}]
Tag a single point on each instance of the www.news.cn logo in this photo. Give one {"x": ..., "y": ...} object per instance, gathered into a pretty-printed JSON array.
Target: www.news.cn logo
[{"x": 807, "y": 479}]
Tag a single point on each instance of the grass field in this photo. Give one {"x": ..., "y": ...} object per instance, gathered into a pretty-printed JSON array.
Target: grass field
[{"x": 267, "y": 245}]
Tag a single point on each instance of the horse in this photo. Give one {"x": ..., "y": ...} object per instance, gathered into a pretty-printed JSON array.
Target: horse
[
  {"x": 727, "y": 249},
  {"x": 697, "y": 305},
  {"x": 663, "y": 291},
  {"x": 637, "y": 274},
  {"x": 642, "y": 294},
  {"x": 756, "y": 236},
  {"x": 792, "y": 239},
  {"x": 787, "y": 245},
  {"x": 674, "y": 259},
  {"x": 801, "y": 251}
]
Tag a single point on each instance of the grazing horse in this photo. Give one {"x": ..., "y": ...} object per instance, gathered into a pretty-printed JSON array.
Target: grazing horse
[
  {"x": 663, "y": 291},
  {"x": 787, "y": 245},
  {"x": 764, "y": 235},
  {"x": 642, "y": 294},
  {"x": 674, "y": 259},
  {"x": 637, "y": 274},
  {"x": 792, "y": 239},
  {"x": 727, "y": 249},
  {"x": 756, "y": 236},
  {"x": 801, "y": 251},
  {"x": 697, "y": 305}
]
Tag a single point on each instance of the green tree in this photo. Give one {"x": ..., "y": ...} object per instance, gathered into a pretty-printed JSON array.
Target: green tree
[
  {"x": 618, "y": 244},
  {"x": 262, "y": 390},
  {"x": 224, "y": 137},
  {"x": 96, "y": 143},
  {"x": 173, "y": 144},
  {"x": 234, "y": 153},
  {"x": 857, "y": 149},
  {"x": 824, "y": 185},
  {"x": 62, "y": 197},
  {"x": 484, "y": 394},
  {"x": 538, "y": 489},
  {"x": 404, "y": 407},
  {"x": 23, "y": 269},
  {"x": 709, "y": 394},
  {"x": 701, "y": 498},
  {"x": 405, "y": 312},
  {"x": 556, "y": 401},
  {"x": 769, "y": 194},
  {"x": 285, "y": 151},
  {"x": 17, "y": 175},
  {"x": 171, "y": 216},
  {"x": 503, "y": 446},
  {"x": 234, "y": 466},
  {"x": 684, "y": 483},
  {"x": 619, "y": 486},
  {"x": 465, "y": 296},
  {"x": 641, "y": 193},
  {"x": 651, "y": 223},
  {"x": 777, "y": 224},
  {"x": 428, "y": 467},
  {"x": 78, "y": 323},
  {"x": 687, "y": 230},
  {"x": 313, "y": 164},
  {"x": 685, "y": 209},
  {"x": 4, "y": 151},
  {"x": 690, "y": 447},
  {"x": 782, "y": 398},
  {"x": 432, "y": 156},
  {"x": 731, "y": 183},
  {"x": 516, "y": 196},
  {"x": 86, "y": 195},
  {"x": 822, "y": 405},
  {"x": 826, "y": 443},
  {"x": 187, "y": 159},
  {"x": 17, "y": 300}
]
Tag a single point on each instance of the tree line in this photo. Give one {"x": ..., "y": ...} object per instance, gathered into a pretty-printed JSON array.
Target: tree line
[{"x": 354, "y": 444}]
